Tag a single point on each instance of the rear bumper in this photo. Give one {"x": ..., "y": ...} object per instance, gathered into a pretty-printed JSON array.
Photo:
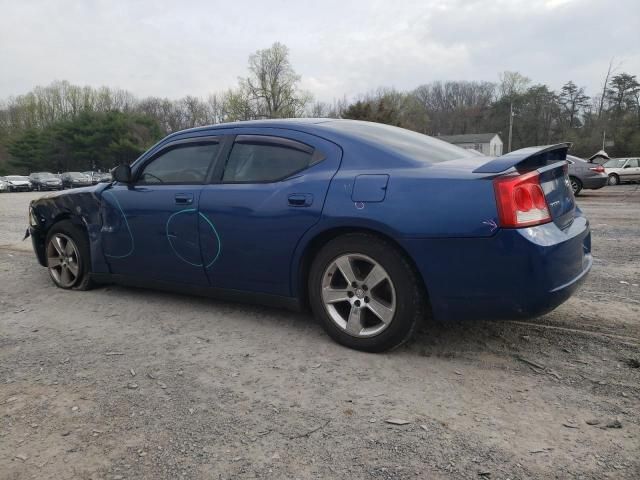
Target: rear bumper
[
  {"x": 594, "y": 183},
  {"x": 518, "y": 273}
]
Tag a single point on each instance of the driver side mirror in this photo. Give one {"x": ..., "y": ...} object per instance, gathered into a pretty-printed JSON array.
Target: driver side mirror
[{"x": 122, "y": 174}]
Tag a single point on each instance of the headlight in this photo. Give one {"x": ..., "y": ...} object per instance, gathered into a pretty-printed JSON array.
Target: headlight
[{"x": 33, "y": 221}]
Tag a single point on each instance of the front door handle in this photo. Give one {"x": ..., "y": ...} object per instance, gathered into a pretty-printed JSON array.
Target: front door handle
[
  {"x": 184, "y": 198},
  {"x": 300, "y": 200}
]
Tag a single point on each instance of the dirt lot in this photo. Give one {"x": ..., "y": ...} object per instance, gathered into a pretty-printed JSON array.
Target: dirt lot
[{"x": 123, "y": 383}]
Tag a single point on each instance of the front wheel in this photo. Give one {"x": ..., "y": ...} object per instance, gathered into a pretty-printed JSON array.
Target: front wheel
[
  {"x": 614, "y": 179},
  {"x": 365, "y": 292},
  {"x": 68, "y": 260}
]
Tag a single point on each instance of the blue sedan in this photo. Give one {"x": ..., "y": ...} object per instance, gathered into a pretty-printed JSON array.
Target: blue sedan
[{"x": 373, "y": 227}]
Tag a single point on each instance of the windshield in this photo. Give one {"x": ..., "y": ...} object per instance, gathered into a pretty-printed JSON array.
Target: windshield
[
  {"x": 77, "y": 175},
  {"x": 45, "y": 175},
  {"x": 16, "y": 178},
  {"x": 406, "y": 142},
  {"x": 615, "y": 163}
]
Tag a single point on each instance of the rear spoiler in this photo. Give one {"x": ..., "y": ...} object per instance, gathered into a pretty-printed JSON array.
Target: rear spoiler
[{"x": 528, "y": 158}]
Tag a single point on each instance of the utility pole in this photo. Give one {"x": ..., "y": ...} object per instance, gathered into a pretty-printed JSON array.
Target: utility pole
[
  {"x": 510, "y": 124},
  {"x": 604, "y": 136}
]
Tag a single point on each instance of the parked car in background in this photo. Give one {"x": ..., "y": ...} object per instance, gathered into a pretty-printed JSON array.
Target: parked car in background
[
  {"x": 4, "y": 185},
  {"x": 18, "y": 183},
  {"x": 621, "y": 170},
  {"x": 45, "y": 181},
  {"x": 98, "y": 177},
  {"x": 74, "y": 180},
  {"x": 374, "y": 226},
  {"x": 106, "y": 177},
  {"x": 585, "y": 175}
]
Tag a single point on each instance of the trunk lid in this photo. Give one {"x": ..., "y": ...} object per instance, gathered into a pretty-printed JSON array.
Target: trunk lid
[
  {"x": 550, "y": 162},
  {"x": 556, "y": 186}
]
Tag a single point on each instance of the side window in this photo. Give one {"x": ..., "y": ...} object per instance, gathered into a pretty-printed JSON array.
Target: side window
[
  {"x": 634, "y": 162},
  {"x": 182, "y": 164},
  {"x": 256, "y": 159}
]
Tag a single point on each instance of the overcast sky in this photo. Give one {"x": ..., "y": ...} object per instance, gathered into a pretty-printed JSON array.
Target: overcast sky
[{"x": 340, "y": 47}]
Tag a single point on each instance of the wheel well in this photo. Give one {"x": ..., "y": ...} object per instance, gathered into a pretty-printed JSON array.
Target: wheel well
[
  {"x": 320, "y": 240},
  {"x": 74, "y": 219},
  {"x": 67, "y": 216}
]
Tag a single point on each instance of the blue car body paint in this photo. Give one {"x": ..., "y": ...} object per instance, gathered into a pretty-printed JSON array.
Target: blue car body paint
[
  {"x": 107, "y": 194},
  {"x": 437, "y": 204}
]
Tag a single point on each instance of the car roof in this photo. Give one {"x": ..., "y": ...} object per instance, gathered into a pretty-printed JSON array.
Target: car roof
[{"x": 355, "y": 134}]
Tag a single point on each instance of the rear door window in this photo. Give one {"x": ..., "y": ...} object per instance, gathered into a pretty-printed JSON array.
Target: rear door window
[{"x": 263, "y": 159}]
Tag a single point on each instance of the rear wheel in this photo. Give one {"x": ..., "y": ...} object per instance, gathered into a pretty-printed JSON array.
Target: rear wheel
[
  {"x": 365, "y": 293},
  {"x": 614, "y": 179},
  {"x": 68, "y": 260},
  {"x": 576, "y": 185}
]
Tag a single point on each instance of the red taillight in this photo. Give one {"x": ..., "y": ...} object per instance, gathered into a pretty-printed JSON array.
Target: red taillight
[
  {"x": 599, "y": 169},
  {"x": 521, "y": 201}
]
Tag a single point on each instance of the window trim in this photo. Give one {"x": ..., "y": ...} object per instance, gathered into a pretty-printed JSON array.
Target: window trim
[
  {"x": 205, "y": 140},
  {"x": 316, "y": 157}
]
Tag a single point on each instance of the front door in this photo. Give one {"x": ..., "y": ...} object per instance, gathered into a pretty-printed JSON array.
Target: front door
[
  {"x": 271, "y": 190},
  {"x": 151, "y": 227}
]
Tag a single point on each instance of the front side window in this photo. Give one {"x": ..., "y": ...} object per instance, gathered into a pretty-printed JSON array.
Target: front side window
[
  {"x": 183, "y": 164},
  {"x": 259, "y": 159},
  {"x": 634, "y": 163}
]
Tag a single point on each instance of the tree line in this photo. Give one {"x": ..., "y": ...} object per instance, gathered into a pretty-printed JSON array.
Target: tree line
[{"x": 68, "y": 127}]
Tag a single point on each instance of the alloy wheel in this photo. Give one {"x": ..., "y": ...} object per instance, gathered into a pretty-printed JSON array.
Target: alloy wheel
[
  {"x": 63, "y": 260},
  {"x": 574, "y": 186},
  {"x": 358, "y": 295}
]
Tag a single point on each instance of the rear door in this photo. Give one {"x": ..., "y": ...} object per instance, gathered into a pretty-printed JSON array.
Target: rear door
[
  {"x": 270, "y": 190},
  {"x": 633, "y": 169},
  {"x": 151, "y": 227}
]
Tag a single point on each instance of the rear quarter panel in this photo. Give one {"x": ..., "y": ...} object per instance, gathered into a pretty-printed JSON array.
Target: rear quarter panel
[{"x": 430, "y": 201}]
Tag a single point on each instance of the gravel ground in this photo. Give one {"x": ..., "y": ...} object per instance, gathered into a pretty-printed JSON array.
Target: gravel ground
[{"x": 124, "y": 383}]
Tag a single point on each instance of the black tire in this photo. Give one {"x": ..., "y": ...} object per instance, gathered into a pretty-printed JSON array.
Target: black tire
[
  {"x": 614, "y": 179},
  {"x": 79, "y": 237},
  {"x": 576, "y": 185},
  {"x": 410, "y": 297}
]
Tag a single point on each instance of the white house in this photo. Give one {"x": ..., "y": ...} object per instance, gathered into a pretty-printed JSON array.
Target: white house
[{"x": 486, "y": 143}]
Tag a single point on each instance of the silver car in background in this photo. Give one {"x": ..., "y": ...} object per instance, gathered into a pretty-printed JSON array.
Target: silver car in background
[
  {"x": 585, "y": 175},
  {"x": 622, "y": 170}
]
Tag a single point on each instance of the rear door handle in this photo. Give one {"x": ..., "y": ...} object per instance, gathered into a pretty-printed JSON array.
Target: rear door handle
[
  {"x": 184, "y": 198},
  {"x": 300, "y": 199}
]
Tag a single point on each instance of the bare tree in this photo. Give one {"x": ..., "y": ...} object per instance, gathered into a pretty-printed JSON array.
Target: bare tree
[{"x": 273, "y": 84}]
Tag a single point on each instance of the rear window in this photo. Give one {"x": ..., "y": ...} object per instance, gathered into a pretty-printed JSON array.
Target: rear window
[
  {"x": 615, "y": 163},
  {"x": 405, "y": 142}
]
